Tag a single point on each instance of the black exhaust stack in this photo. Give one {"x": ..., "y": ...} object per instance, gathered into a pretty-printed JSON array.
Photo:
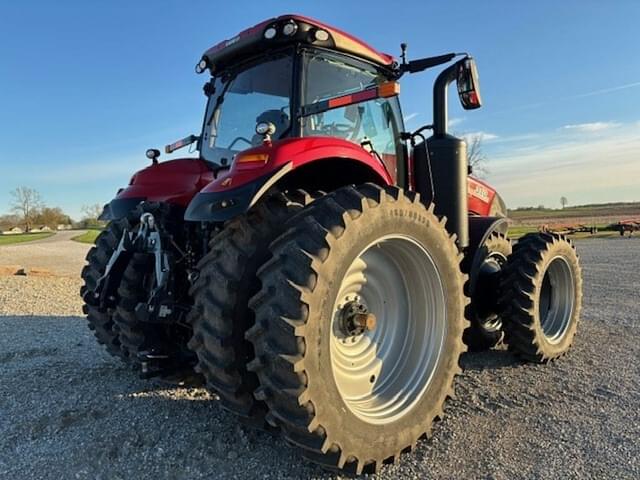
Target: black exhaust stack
[{"x": 448, "y": 155}]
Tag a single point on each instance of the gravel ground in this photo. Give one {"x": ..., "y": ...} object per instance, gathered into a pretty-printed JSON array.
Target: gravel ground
[
  {"x": 57, "y": 254},
  {"x": 68, "y": 410}
]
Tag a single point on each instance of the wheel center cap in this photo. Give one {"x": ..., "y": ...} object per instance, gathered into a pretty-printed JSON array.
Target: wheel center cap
[{"x": 355, "y": 319}]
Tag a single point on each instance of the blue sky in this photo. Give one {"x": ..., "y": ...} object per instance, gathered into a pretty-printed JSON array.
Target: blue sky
[{"x": 86, "y": 87}]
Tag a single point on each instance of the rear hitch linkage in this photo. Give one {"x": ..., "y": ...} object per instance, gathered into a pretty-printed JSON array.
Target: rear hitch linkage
[{"x": 148, "y": 239}]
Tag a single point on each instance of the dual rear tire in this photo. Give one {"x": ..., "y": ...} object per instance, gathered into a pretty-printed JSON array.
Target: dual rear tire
[{"x": 352, "y": 395}]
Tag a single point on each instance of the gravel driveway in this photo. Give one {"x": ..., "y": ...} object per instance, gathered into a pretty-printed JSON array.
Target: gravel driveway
[
  {"x": 68, "y": 410},
  {"x": 58, "y": 254}
]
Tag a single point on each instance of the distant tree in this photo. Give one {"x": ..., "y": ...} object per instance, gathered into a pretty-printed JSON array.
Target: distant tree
[
  {"x": 51, "y": 217},
  {"x": 564, "y": 202},
  {"x": 26, "y": 203},
  {"x": 476, "y": 158},
  {"x": 90, "y": 214},
  {"x": 7, "y": 222},
  {"x": 541, "y": 207}
]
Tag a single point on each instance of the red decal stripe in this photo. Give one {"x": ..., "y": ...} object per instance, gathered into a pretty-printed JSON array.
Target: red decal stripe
[{"x": 353, "y": 98}]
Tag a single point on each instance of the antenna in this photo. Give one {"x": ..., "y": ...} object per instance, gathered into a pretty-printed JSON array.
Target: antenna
[{"x": 403, "y": 55}]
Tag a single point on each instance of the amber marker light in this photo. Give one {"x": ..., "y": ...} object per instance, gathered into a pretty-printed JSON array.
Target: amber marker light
[
  {"x": 388, "y": 89},
  {"x": 252, "y": 160}
]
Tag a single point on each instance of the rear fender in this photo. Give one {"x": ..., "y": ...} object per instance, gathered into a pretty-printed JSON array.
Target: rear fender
[
  {"x": 176, "y": 182},
  {"x": 480, "y": 228},
  {"x": 242, "y": 186},
  {"x": 481, "y": 197}
]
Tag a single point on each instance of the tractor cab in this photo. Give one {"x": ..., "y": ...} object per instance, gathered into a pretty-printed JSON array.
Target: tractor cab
[{"x": 292, "y": 77}]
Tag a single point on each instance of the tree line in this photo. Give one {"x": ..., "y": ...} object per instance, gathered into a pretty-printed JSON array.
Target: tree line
[{"x": 29, "y": 211}]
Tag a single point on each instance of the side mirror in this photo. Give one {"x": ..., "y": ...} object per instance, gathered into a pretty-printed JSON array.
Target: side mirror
[{"x": 468, "y": 84}]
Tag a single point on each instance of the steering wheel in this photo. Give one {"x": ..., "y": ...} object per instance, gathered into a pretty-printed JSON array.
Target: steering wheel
[
  {"x": 340, "y": 129},
  {"x": 238, "y": 139}
]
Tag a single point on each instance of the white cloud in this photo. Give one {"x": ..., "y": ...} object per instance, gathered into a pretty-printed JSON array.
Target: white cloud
[
  {"x": 606, "y": 90},
  {"x": 591, "y": 127},
  {"x": 485, "y": 136},
  {"x": 455, "y": 121},
  {"x": 411, "y": 116},
  {"x": 586, "y": 169}
]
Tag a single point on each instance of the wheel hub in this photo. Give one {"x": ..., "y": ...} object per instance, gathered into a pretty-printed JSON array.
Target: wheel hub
[
  {"x": 356, "y": 319},
  {"x": 383, "y": 361}
]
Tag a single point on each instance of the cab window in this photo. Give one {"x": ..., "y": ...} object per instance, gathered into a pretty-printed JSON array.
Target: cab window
[{"x": 374, "y": 124}]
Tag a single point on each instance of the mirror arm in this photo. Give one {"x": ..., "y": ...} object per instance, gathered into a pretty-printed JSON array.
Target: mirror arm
[{"x": 422, "y": 64}]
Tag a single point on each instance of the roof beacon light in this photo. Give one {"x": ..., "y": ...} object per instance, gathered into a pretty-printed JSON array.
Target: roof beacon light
[
  {"x": 290, "y": 28},
  {"x": 270, "y": 33},
  {"x": 321, "y": 35}
]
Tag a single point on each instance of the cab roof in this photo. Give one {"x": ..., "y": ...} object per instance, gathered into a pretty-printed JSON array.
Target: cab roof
[{"x": 271, "y": 34}]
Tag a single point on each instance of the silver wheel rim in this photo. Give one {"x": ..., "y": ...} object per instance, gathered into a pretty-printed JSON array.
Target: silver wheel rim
[
  {"x": 556, "y": 299},
  {"x": 382, "y": 373}
]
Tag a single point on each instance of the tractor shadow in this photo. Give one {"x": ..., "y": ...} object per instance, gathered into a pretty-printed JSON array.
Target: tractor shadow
[{"x": 494, "y": 359}]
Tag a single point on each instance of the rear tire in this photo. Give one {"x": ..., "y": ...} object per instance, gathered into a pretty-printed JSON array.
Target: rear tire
[
  {"x": 221, "y": 315},
  {"x": 542, "y": 297},
  {"x": 316, "y": 379}
]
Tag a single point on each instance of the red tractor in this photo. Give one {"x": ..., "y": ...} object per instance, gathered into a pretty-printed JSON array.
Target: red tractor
[{"x": 318, "y": 265}]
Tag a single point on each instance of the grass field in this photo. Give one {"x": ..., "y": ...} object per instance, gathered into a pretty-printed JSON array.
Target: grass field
[
  {"x": 601, "y": 214},
  {"x": 517, "y": 231},
  {"x": 87, "y": 237},
  {"x": 23, "y": 237}
]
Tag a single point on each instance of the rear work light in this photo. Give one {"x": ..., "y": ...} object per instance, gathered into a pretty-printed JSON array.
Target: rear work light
[
  {"x": 321, "y": 35},
  {"x": 201, "y": 66},
  {"x": 290, "y": 28},
  {"x": 251, "y": 160},
  {"x": 270, "y": 33}
]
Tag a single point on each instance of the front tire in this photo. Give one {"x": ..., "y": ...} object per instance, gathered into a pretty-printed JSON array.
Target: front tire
[
  {"x": 355, "y": 398},
  {"x": 542, "y": 297}
]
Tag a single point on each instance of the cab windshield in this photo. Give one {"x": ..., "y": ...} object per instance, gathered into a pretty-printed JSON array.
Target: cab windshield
[{"x": 257, "y": 93}]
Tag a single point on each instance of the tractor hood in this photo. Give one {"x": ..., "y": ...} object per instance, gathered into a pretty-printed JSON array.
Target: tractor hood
[{"x": 176, "y": 181}]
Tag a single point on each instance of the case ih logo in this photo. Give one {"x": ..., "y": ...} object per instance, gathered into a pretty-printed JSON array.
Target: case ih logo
[{"x": 479, "y": 191}]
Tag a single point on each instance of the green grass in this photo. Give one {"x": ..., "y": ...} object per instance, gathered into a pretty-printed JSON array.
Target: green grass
[
  {"x": 23, "y": 237},
  {"x": 87, "y": 237},
  {"x": 516, "y": 231}
]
